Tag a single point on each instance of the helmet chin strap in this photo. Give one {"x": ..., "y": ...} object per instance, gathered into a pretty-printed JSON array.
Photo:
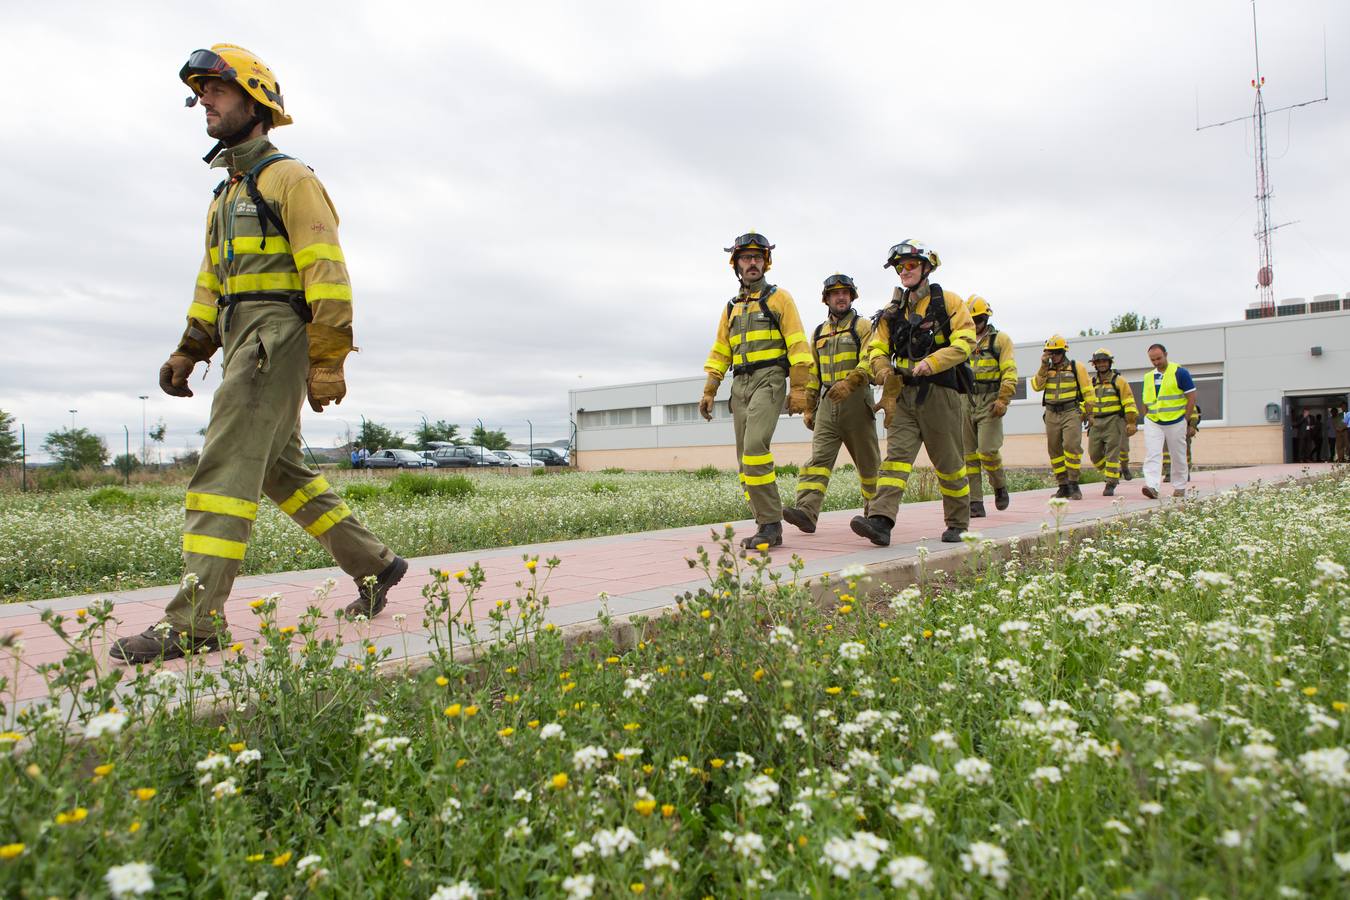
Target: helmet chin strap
[{"x": 231, "y": 140}]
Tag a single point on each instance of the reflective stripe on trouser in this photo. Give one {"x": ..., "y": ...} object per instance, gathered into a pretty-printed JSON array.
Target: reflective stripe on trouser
[
  {"x": 1167, "y": 458},
  {"x": 936, "y": 425},
  {"x": 983, "y": 441},
  {"x": 853, "y": 425},
  {"x": 253, "y": 447},
  {"x": 1157, "y": 437},
  {"x": 756, "y": 403},
  {"x": 1105, "y": 438},
  {"x": 1064, "y": 440}
]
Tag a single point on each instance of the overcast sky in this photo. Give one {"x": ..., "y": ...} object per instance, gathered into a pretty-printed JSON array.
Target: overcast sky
[{"x": 534, "y": 196}]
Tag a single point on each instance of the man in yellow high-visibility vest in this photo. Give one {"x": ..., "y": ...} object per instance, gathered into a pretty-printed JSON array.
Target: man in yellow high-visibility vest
[{"x": 1169, "y": 401}]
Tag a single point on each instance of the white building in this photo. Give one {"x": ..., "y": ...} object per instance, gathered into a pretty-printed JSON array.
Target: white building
[{"x": 1253, "y": 378}]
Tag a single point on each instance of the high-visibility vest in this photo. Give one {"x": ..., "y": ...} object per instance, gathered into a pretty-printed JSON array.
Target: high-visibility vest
[
  {"x": 755, "y": 338},
  {"x": 1061, "y": 386},
  {"x": 837, "y": 350},
  {"x": 1167, "y": 403},
  {"x": 1108, "y": 395}
]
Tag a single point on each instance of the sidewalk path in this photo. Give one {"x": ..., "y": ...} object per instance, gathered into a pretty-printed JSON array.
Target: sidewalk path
[{"x": 640, "y": 573}]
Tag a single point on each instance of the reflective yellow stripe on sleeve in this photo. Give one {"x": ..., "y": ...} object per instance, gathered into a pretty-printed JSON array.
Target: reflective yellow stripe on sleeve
[
  {"x": 221, "y": 505},
  {"x": 203, "y": 312},
  {"x": 205, "y": 545},
  {"x": 322, "y": 291},
  {"x": 308, "y": 256},
  {"x": 304, "y": 495},
  {"x": 209, "y": 281}
]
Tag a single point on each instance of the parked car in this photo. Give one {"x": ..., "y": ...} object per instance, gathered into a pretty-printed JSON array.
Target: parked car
[
  {"x": 464, "y": 457},
  {"x": 517, "y": 460},
  {"x": 396, "y": 459},
  {"x": 550, "y": 456}
]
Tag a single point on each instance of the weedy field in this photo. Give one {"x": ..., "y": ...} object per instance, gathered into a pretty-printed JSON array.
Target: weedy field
[
  {"x": 1159, "y": 711},
  {"x": 110, "y": 538}
]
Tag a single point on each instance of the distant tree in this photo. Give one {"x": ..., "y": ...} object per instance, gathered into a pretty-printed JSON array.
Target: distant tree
[
  {"x": 188, "y": 459},
  {"x": 374, "y": 436},
  {"x": 157, "y": 434},
  {"x": 1130, "y": 321},
  {"x": 76, "y": 448},
  {"x": 9, "y": 442},
  {"x": 440, "y": 430},
  {"x": 492, "y": 440},
  {"x": 126, "y": 463}
]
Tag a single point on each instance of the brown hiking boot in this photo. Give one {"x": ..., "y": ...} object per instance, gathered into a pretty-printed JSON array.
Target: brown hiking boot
[
  {"x": 161, "y": 642},
  {"x": 371, "y": 598},
  {"x": 803, "y": 522},
  {"x": 1150, "y": 493}
]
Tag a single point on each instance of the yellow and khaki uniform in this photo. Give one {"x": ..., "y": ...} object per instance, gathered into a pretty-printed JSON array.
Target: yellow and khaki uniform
[
  {"x": 839, "y": 349},
  {"x": 1112, "y": 409},
  {"x": 1067, "y": 389},
  {"x": 248, "y": 300},
  {"x": 995, "y": 380},
  {"x": 928, "y": 410},
  {"x": 759, "y": 338}
]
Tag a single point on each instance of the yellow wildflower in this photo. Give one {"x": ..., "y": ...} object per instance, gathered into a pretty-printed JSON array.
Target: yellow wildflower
[
  {"x": 717, "y": 763},
  {"x": 645, "y": 807},
  {"x": 470, "y": 711},
  {"x": 1310, "y": 691},
  {"x": 9, "y": 851},
  {"x": 705, "y": 614},
  {"x": 256, "y": 604},
  {"x": 461, "y": 575},
  {"x": 134, "y": 827},
  {"x": 559, "y": 781},
  {"x": 461, "y": 763},
  {"x": 238, "y": 747},
  {"x": 145, "y": 793},
  {"x": 254, "y": 857},
  {"x": 757, "y": 674},
  {"x": 631, "y": 726},
  {"x": 9, "y": 737},
  {"x": 533, "y": 723},
  {"x": 928, "y": 632},
  {"x": 281, "y": 859},
  {"x": 531, "y": 565},
  {"x": 802, "y": 841},
  {"x": 833, "y": 690},
  {"x": 237, "y": 647},
  {"x": 1339, "y": 706},
  {"x": 506, "y": 732},
  {"x": 638, "y": 887},
  {"x": 442, "y": 681},
  {"x": 286, "y": 629},
  {"x": 667, "y": 810},
  {"x": 78, "y": 814}
]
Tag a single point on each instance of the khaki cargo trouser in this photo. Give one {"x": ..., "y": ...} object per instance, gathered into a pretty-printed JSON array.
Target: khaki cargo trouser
[
  {"x": 756, "y": 404},
  {"x": 253, "y": 447},
  {"x": 983, "y": 442},
  {"x": 1064, "y": 440},
  {"x": 936, "y": 425},
  {"x": 851, "y": 424},
  {"x": 1106, "y": 437}
]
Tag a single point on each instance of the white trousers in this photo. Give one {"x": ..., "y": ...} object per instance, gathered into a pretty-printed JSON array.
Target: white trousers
[{"x": 1173, "y": 437}]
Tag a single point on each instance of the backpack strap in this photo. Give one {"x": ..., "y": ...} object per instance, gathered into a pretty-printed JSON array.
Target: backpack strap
[
  {"x": 815, "y": 347},
  {"x": 265, "y": 211}
]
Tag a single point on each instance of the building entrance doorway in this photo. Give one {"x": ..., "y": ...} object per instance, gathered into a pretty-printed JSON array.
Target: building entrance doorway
[{"x": 1311, "y": 439}]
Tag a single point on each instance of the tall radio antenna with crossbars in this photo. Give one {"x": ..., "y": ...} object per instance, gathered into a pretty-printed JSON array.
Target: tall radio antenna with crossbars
[{"x": 1265, "y": 273}]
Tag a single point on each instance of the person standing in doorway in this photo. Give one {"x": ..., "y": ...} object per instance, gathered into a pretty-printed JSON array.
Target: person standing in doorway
[
  {"x": 760, "y": 338},
  {"x": 274, "y": 297},
  {"x": 1169, "y": 401},
  {"x": 1340, "y": 422}
]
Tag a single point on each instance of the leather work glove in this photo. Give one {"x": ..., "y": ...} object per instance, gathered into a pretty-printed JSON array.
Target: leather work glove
[
  {"x": 842, "y": 390},
  {"x": 1130, "y": 429},
  {"x": 809, "y": 419},
  {"x": 705, "y": 403},
  {"x": 890, "y": 392},
  {"x": 173, "y": 375},
  {"x": 797, "y": 377},
  {"x": 1000, "y": 408},
  {"x": 326, "y": 385},
  {"x": 1192, "y": 429}
]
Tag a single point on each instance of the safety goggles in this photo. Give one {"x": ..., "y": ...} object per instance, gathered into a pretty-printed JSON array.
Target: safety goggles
[
  {"x": 204, "y": 64},
  {"x": 907, "y": 265},
  {"x": 751, "y": 241},
  {"x": 840, "y": 281}
]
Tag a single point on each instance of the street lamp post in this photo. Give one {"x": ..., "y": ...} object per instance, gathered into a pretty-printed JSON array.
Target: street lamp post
[
  {"x": 145, "y": 457},
  {"x": 482, "y": 436},
  {"x": 531, "y": 424},
  {"x": 72, "y": 418}
]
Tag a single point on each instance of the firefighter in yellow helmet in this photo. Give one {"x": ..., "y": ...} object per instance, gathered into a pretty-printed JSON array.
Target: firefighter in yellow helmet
[
  {"x": 844, "y": 415},
  {"x": 273, "y": 295},
  {"x": 1114, "y": 418},
  {"x": 1066, "y": 389},
  {"x": 920, "y": 349},
  {"x": 986, "y": 404},
  {"x": 760, "y": 338}
]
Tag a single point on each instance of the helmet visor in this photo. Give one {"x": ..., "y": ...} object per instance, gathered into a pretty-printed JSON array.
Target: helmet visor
[
  {"x": 753, "y": 240},
  {"x": 206, "y": 64},
  {"x": 840, "y": 281}
]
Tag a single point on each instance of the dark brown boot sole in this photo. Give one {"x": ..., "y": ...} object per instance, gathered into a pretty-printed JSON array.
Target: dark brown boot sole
[
  {"x": 369, "y": 606},
  {"x": 800, "y": 520}
]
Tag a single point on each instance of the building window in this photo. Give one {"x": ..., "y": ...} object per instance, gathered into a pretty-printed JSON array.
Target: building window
[
  {"x": 1021, "y": 392},
  {"x": 1208, "y": 395},
  {"x": 687, "y": 413},
  {"x": 616, "y": 418}
]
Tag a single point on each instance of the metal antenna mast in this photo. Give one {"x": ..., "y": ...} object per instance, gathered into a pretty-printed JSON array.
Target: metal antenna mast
[{"x": 1265, "y": 273}]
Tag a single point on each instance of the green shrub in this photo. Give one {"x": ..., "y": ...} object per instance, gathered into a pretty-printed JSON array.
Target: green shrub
[
  {"x": 111, "y": 499},
  {"x": 603, "y": 487},
  {"x": 708, "y": 472},
  {"x": 407, "y": 485},
  {"x": 361, "y": 490},
  {"x": 789, "y": 469},
  {"x": 612, "y": 470}
]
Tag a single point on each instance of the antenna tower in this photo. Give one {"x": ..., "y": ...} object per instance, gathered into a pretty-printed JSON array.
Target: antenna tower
[{"x": 1265, "y": 272}]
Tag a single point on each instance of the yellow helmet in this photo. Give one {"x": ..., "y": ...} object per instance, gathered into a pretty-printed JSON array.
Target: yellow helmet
[
  {"x": 1102, "y": 353},
  {"x": 232, "y": 63},
  {"x": 752, "y": 240},
  {"x": 910, "y": 248},
  {"x": 838, "y": 280},
  {"x": 978, "y": 306},
  {"x": 1056, "y": 342}
]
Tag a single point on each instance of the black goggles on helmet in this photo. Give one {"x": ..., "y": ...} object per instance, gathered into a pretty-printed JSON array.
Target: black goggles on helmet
[
  {"x": 751, "y": 241},
  {"x": 840, "y": 281},
  {"x": 1102, "y": 357},
  {"x": 205, "y": 64},
  {"x": 902, "y": 251}
]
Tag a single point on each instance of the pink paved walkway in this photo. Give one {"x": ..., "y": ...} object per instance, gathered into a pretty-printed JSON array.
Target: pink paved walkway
[{"x": 639, "y": 572}]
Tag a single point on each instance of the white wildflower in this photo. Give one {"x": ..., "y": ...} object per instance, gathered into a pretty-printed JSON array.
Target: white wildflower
[
  {"x": 943, "y": 740},
  {"x": 640, "y": 685},
  {"x": 660, "y": 859},
  {"x": 975, "y": 770},
  {"x": 579, "y": 887},
  {"x": 588, "y": 758},
  {"x": 130, "y": 880},
  {"x": 212, "y": 762},
  {"x": 1229, "y": 838},
  {"x": 582, "y": 850},
  {"x": 105, "y": 723},
  {"x": 761, "y": 790},
  {"x": 550, "y": 731},
  {"x": 698, "y": 701},
  {"x": 1046, "y": 775},
  {"x": 246, "y": 756},
  {"x": 988, "y": 860},
  {"x": 912, "y": 872},
  {"x": 862, "y": 851},
  {"x": 852, "y": 651},
  {"x": 748, "y": 845},
  {"x": 1117, "y": 826},
  {"x": 462, "y": 890},
  {"x": 735, "y": 696},
  {"x": 305, "y": 862},
  {"x": 614, "y": 843},
  {"x": 1327, "y": 766}
]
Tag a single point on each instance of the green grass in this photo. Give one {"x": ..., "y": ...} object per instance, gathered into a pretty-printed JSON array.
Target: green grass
[
  {"x": 106, "y": 539},
  {"x": 1157, "y": 712}
]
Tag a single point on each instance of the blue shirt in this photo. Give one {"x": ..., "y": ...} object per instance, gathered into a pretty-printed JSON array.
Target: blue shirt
[{"x": 1185, "y": 383}]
